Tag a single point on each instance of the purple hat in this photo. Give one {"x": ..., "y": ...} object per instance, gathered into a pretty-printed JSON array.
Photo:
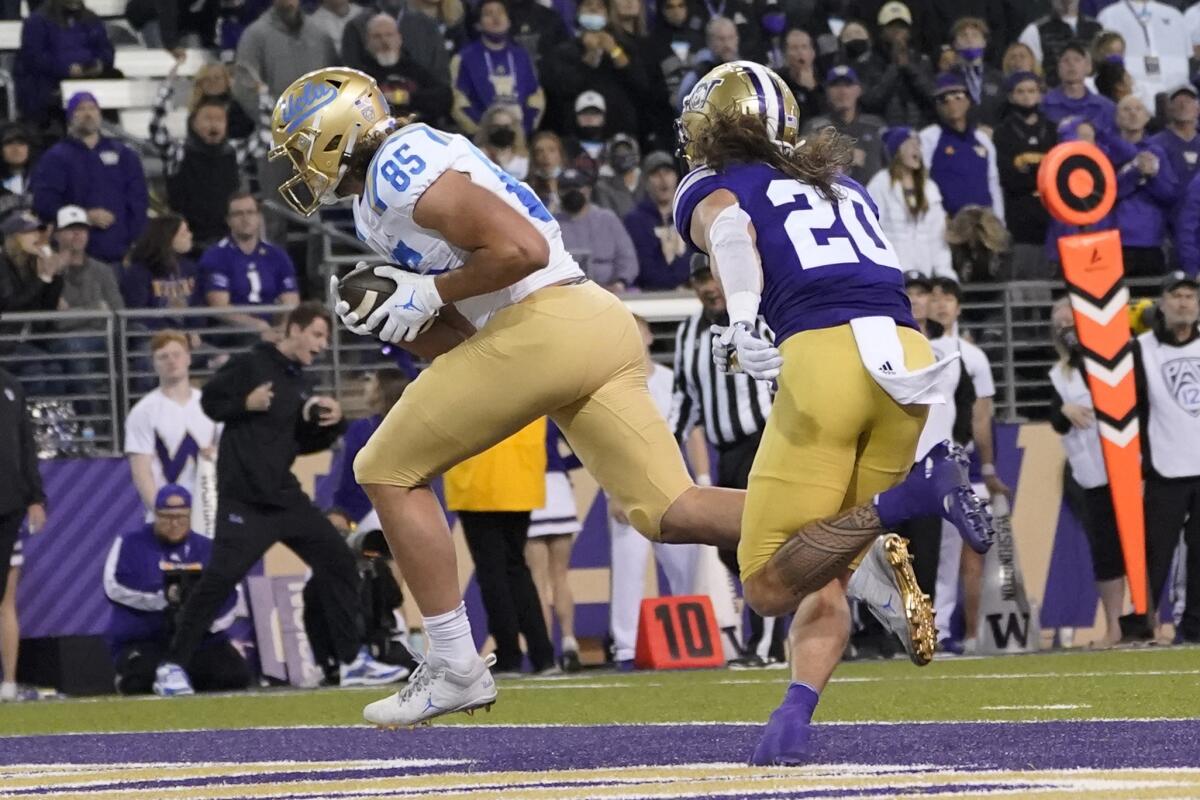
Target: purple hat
[
  {"x": 77, "y": 99},
  {"x": 1017, "y": 78},
  {"x": 172, "y": 496},
  {"x": 949, "y": 82},
  {"x": 841, "y": 74},
  {"x": 893, "y": 138}
]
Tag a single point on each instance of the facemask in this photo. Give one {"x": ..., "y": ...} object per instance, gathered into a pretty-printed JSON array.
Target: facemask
[
  {"x": 496, "y": 38},
  {"x": 502, "y": 137},
  {"x": 548, "y": 174},
  {"x": 387, "y": 59},
  {"x": 970, "y": 54},
  {"x": 1115, "y": 58},
  {"x": 624, "y": 162},
  {"x": 856, "y": 48},
  {"x": 573, "y": 201},
  {"x": 593, "y": 22},
  {"x": 591, "y": 133},
  {"x": 774, "y": 22},
  {"x": 1024, "y": 109}
]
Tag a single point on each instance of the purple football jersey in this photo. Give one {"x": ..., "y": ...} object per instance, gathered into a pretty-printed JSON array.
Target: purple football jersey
[{"x": 824, "y": 263}]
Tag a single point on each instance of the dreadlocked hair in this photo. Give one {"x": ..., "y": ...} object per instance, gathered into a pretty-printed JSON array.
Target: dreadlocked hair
[{"x": 735, "y": 138}]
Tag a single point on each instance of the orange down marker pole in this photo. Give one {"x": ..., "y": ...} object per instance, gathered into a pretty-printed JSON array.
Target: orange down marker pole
[{"x": 1078, "y": 186}]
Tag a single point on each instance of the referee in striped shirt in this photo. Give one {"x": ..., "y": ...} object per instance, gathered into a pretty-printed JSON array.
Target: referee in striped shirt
[{"x": 732, "y": 411}]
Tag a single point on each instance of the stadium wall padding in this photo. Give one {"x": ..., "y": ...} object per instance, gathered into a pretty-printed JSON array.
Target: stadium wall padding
[{"x": 93, "y": 500}]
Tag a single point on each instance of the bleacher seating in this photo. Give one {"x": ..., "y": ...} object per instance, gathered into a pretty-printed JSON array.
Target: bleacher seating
[
  {"x": 138, "y": 62},
  {"x": 10, "y": 35},
  {"x": 115, "y": 94},
  {"x": 136, "y": 122}
]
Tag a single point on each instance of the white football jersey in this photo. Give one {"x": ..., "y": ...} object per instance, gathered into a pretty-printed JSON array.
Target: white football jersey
[
  {"x": 406, "y": 165},
  {"x": 174, "y": 435}
]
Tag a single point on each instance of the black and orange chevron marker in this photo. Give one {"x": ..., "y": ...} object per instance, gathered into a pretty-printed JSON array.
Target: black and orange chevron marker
[{"x": 1078, "y": 187}]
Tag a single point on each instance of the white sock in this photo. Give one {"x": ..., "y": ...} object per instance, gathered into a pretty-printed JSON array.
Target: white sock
[
  {"x": 450, "y": 639},
  {"x": 569, "y": 643},
  {"x": 8, "y": 689}
]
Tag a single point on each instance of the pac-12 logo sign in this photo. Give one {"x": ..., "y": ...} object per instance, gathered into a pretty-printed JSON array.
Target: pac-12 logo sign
[
  {"x": 306, "y": 101},
  {"x": 698, "y": 96},
  {"x": 1183, "y": 380}
]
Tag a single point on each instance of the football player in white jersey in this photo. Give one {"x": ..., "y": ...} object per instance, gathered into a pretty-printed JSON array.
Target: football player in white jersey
[{"x": 487, "y": 290}]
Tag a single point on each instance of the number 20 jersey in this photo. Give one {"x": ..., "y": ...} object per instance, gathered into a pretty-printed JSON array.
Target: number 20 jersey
[
  {"x": 407, "y": 164},
  {"x": 824, "y": 263}
]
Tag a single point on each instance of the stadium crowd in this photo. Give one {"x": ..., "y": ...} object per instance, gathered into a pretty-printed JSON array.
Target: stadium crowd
[{"x": 953, "y": 105}]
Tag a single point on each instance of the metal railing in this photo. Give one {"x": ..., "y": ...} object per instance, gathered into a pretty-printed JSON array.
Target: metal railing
[{"x": 83, "y": 370}]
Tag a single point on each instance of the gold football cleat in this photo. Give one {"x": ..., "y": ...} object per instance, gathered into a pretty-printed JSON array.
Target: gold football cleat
[{"x": 918, "y": 608}]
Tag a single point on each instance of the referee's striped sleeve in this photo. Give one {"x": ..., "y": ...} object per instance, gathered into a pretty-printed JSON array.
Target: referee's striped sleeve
[{"x": 684, "y": 409}]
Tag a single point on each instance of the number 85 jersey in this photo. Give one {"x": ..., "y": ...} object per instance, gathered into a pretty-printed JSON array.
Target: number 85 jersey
[
  {"x": 824, "y": 262},
  {"x": 407, "y": 164}
]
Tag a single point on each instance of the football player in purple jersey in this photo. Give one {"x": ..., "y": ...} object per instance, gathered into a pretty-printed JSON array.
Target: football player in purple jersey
[{"x": 792, "y": 238}]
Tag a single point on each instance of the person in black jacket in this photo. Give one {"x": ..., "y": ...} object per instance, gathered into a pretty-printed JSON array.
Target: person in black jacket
[
  {"x": 271, "y": 415},
  {"x": 21, "y": 495},
  {"x": 1023, "y": 137}
]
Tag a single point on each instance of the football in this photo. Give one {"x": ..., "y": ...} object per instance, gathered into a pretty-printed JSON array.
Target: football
[{"x": 364, "y": 290}]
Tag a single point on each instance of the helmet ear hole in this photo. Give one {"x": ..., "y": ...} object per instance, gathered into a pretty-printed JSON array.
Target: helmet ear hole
[{"x": 334, "y": 144}]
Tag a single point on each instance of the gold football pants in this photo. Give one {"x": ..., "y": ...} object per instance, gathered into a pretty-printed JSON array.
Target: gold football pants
[
  {"x": 572, "y": 352},
  {"x": 833, "y": 441}
]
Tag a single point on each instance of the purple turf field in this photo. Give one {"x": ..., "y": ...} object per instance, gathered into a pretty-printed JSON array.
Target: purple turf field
[{"x": 1068, "y": 759}]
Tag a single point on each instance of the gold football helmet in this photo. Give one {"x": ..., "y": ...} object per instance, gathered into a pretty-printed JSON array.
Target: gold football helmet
[
  {"x": 316, "y": 123},
  {"x": 740, "y": 87}
]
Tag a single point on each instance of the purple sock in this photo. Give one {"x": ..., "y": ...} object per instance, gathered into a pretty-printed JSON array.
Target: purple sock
[
  {"x": 803, "y": 696},
  {"x": 902, "y": 502}
]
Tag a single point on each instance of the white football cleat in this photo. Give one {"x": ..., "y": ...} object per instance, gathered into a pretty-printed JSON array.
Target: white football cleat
[
  {"x": 886, "y": 583},
  {"x": 170, "y": 680},
  {"x": 433, "y": 690},
  {"x": 367, "y": 671}
]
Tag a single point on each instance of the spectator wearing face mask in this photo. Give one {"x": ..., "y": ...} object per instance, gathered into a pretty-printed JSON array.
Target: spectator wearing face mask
[
  {"x": 984, "y": 84},
  {"x": 408, "y": 86},
  {"x": 421, "y": 37},
  {"x": 1146, "y": 192},
  {"x": 1022, "y": 138},
  {"x": 662, "y": 256},
  {"x": 16, "y": 164},
  {"x": 588, "y": 148},
  {"x": 594, "y": 62},
  {"x": 502, "y": 139},
  {"x": 495, "y": 70},
  {"x": 619, "y": 187},
  {"x": 899, "y": 79},
  {"x": 843, "y": 92},
  {"x": 594, "y": 235}
]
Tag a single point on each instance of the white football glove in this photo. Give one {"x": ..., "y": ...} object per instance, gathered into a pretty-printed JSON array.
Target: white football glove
[
  {"x": 739, "y": 349},
  {"x": 403, "y": 316}
]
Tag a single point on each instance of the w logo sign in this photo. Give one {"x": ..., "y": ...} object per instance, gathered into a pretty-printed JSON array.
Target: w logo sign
[{"x": 1182, "y": 377}]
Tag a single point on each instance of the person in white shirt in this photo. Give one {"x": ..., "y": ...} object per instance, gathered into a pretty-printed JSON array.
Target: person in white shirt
[
  {"x": 910, "y": 207},
  {"x": 1085, "y": 480},
  {"x": 1157, "y": 44},
  {"x": 169, "y": 438},
  {"x": 957, "y": 563},
  {"x": 631, "y": 551}
]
